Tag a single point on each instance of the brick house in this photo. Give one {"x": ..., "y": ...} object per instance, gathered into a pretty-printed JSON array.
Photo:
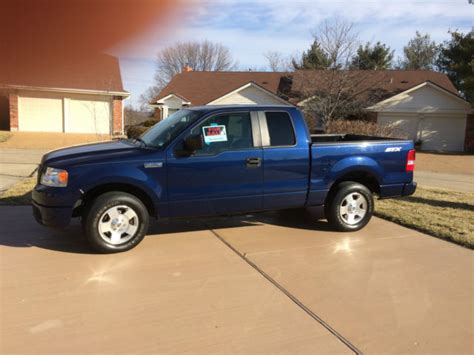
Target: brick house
[
  {"x": 424, "y": 105},
  {"x": 79, "y": 97}
]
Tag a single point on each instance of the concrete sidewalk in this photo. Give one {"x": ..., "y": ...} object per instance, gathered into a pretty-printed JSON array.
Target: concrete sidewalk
[
  {"x": 50, "y": 140},
  {"x": 22, "y": 152},
  {"x": 275, "y": 283},
  {"x": 17, "y": 164},
  {"x": 457, "y": 182}
]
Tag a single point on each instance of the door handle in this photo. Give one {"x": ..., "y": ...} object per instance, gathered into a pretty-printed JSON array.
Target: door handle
[{"x": 253, "y": 162}]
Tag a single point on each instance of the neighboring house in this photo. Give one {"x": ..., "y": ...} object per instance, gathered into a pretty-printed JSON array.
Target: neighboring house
[
  {"x": 424, "y": 105},
  {"x": 81, "y": 97}
]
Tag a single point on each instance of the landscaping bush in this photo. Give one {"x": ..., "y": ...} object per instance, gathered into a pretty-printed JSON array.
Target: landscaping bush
[
  {"x": 151, "y": 122},
  {"x": 134, "y": 118},
  {"x": 136, "y": 131},
  {"x": 365, "y": 128}
]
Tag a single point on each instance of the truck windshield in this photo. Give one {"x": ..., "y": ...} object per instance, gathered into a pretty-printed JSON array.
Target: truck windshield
[{"x": 168, "y": 129}]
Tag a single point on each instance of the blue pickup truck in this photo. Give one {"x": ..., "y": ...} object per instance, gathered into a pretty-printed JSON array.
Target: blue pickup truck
[{"x": 219, "y": 160}]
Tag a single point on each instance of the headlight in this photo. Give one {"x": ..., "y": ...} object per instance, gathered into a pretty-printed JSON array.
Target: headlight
[{"x": 54, "y": 177}]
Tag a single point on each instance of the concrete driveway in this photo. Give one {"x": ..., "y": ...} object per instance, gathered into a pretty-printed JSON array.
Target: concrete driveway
[
  {"x": 275, "y": 283},
  {"x": 457, "y": 182},
  {"x": 16, "y": 164}
]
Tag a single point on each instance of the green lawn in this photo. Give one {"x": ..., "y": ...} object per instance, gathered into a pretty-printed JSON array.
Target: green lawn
[{"x": 445, "y": 214}]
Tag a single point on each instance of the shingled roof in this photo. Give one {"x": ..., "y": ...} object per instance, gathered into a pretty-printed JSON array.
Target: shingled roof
[
  {"x": 97, "y": 72},
  {"x": 200, "y": 88}
]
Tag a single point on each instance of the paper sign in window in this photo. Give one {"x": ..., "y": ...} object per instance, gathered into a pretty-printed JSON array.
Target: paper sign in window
[{"x": 214, "y": 134}]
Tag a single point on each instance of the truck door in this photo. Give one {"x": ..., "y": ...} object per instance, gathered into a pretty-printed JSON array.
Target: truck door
[
  {"x": 285, "y": 160},
  {"x": 226, "y": 175}
]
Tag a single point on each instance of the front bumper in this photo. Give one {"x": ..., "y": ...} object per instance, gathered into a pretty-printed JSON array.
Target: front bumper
[
  {"x": 57, "y": 217},
  {"x": 52, "y": 207}
]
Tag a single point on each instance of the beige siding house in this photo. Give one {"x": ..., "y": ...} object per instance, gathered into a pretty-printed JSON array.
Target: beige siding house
[
  {"x": 428, "y": 114},
  {"x": 423, "y": 105}
]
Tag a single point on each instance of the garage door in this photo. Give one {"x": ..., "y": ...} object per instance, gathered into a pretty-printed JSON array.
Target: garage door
[
  {"x": 437, "y": 131},
  {"x": 40, "y": 113},
  {"x": 88, "y": 114},
  {"x": 405, "y": 125},
  {"x": 443, "y": 133}
]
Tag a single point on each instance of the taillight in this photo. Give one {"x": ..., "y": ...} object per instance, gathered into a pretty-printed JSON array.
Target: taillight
[{"x": 411, "y": 160}]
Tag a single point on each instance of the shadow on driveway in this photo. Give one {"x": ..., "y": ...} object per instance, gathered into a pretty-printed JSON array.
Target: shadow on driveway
[{"x": 22, "y": 231}]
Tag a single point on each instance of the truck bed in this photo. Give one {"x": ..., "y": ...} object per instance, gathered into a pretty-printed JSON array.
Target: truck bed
[{"x": 359, "y": 158}]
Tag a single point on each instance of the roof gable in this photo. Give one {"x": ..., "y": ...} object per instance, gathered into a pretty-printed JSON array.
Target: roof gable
[
  {"x": 425, "y": 97},
  {"x": 174, "y": 97},
  {"x": 249, "y": 93}
]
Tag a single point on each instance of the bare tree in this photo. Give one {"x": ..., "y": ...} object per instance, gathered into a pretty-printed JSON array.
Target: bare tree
[
  {"x": 199, "y": 56},
  {"x": 147, "y": 96},
  {"x": 134, "y": 117},
  {"x": 277, "y": 61},
  {"x": 338, "y": 94},
  {"x": 337, "y": 39},
  {"x": 335, "y": 92}
]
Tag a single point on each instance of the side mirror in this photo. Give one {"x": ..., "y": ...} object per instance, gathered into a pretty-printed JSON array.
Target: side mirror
[{"x": 193, "y": 143}]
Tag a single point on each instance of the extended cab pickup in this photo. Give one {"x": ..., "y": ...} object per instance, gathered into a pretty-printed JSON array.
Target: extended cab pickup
[{"x": 219, "y": 160}]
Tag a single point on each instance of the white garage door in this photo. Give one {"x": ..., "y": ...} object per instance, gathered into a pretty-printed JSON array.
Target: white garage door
[
  {"x": 88, "y": 114},
  {"x": 436, "y": 131},
  {"x": 40, "y": 113},
  {"x": 405, "y": 125},
  {"x": 443, "y": 133}
]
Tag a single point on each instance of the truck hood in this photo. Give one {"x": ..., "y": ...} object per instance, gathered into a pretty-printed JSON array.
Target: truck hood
[{"x": 90, "y": 153}]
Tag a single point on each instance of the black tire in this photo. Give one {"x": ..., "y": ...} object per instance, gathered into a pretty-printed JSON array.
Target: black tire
[
  {"x": 339, "y": 200},
  {"x": 115, "y": 202}
]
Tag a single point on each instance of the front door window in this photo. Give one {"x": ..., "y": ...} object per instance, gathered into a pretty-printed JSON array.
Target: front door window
[{"x": 224, "y": 132}]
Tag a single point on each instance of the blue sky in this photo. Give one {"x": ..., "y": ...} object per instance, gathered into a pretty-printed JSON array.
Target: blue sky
[{"x": 251, "y": 28}]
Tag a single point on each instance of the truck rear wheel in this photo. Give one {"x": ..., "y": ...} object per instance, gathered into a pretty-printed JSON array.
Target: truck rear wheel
[
  {"x": 115, "y": 222},
  {"x": 351, "y": 207}
]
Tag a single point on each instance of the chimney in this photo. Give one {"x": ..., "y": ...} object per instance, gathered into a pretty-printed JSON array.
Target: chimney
[{"x": 186, "y": 69}]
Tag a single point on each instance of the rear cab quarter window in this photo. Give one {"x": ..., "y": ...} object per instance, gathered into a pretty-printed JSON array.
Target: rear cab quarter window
[{"x": 280, "y": 129}]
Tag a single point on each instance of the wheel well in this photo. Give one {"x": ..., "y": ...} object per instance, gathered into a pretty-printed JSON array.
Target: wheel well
[
  {"x": 92, "y": 194},
  {"x": 362, "y": 177}
]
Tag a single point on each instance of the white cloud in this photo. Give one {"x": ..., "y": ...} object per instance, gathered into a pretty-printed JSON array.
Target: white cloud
[{"x": 250, "y": 28}]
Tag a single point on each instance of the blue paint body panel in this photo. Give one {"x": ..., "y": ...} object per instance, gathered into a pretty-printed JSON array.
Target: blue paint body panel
[{"x": 292, "y": 176}]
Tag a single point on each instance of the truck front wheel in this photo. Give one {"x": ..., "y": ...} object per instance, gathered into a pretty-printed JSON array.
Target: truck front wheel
[
  {"x": 115, "y": 222},
  {"x": 350, "y": 208}
]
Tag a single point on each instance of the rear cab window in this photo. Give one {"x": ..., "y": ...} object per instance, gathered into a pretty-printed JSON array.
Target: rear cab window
[{"x": 280, "y": 129}]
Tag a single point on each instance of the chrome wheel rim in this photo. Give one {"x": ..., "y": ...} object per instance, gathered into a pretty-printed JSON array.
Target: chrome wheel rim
[
  {"x": 118, "y": 224},
  {"x": 353, "y": 208}
]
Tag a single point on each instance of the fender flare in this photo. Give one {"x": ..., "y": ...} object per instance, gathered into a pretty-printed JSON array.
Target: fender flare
[{"x": 355, "y": 164}]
